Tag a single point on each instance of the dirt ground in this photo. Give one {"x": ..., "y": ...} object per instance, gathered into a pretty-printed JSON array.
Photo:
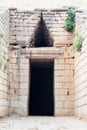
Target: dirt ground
[{"x": 42, "y": 123}]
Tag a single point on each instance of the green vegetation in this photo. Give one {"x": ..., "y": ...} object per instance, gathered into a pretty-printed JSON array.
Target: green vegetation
[
  {"x": 70, "y": 21},
  {"x": 1, "y": 42},
  {"x": 3, "y": 63},
  {"x": 77, "y": 43},
  {"x": 69, "y": 26}
]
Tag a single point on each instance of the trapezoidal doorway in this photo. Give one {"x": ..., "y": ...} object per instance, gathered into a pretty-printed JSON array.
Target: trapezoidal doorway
[{"x": 41, "y": 88}]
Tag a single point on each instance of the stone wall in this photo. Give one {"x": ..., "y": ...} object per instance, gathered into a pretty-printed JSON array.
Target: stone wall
[
  {"x": 4, "y": 58},
  {"x": 81, "y": 69},
  {"x": 23, "y": 23},
  {"x": 63, "y": 84},
  {"x": 14, "y": 89},
  {"x": 63, "y": 79},
  {"x": 19, "y": 83}
]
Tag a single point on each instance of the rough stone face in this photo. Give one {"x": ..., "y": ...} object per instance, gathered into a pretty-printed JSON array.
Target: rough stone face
[
  {"x": 81, "y": 69},
  {"x": 21, "y": 27},
  {"x": 17, "y": 28},
  {"x": 4, "y": 79},
  {"x": 63, "y": 79}
]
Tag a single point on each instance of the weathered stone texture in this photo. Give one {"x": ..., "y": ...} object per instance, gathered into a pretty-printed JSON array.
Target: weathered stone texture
[
  {"x": 63, "y": 79},
  {"x": 22, "y": 26},
  {"x": 4, "y": 79},
  {"x": 63, "y": 83},
  {"x": 81, "y": 69},
  {"x": 15, "y": 85}
]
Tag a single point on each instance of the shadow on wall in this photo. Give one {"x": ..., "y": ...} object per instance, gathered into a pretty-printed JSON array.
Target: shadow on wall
[{"x": 41, "y": 36}]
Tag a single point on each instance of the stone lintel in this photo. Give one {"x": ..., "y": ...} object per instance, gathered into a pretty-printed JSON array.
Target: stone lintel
[{"x": 44, "y": 53}]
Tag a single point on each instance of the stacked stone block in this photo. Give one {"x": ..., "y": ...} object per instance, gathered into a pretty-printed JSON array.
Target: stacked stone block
[
  {"x": 19, "y": 75},
  {"x": 63, "y": 79},
  {"x": 4, "y": 58},
  {"x": 23, "y": 23},
  {"x": 15, "y": 83},
  {"x": 81, "y": 69},
  {"x": 63, "y": 83}
]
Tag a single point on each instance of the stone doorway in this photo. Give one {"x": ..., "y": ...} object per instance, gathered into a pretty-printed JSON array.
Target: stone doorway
[{"x": 41, "y": 88}]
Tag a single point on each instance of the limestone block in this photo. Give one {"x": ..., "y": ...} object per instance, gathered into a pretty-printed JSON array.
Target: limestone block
[
  {"x": 60, "y": 98},
  {"x": 69, "y": 72},
  {"x": 24, "y": 79},
  {"x": 70, "y": 98},
  {"x": 3, "y": 111},
  {"x": 21, "y": 111},
  {"x": 57, "y": 79},
  {"x": 58, "y": 85},
  {"x": 69, "y": 53},
  {"x": 69, "y": 85},
  {"x": 3, "y": 102},
  {"x": 3, "y": 88},
  {"x": 13, "y": 54},
  {"x": 59, "y": 67},
  {"x": 1, "y": 80},
  {"x": 69, "y": 79},
  {"x": 13, "y": 60},
  {"x": 61, "y": 112},
  {"x": 24, "y": 85},
  {"x": 61, "y": 61},
  {"x": 24, "y": 72},
  {"x": 14, "y": 84},
  {"x": 13, "y": 29},
  {"x": 18, "y": 104},
  {"x": 16, "y": 78},
  {"x": 58, "y": 105},
  {"x": 23, "y": 91},
  {"x": 23, "y": 98},
  {"x": 68, "y": 104},
  {"x": 60, "y": 92},
  {"x": 67, "y": 66},
  {"x": 15, "y": 103},
  {"x": 1, "y": 95},
  {"x": 58, "y": 73},
  {"x": 11, "y": 110},
  {"x": 24, "y": 61},
  {"x": 12, "y": 40},
  {"x": 24, "y": 66}
]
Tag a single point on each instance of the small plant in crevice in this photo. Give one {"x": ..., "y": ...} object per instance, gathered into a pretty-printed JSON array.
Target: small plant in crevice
[
  {"x": 1, "y": 40},
  {"x": 70, "y": 21},
  {"x": 3, "y": 63},
  {"x": 77, "y": 43}
]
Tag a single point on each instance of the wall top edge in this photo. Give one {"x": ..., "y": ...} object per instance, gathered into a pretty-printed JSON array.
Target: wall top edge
[{"x": 63, "y": 9}]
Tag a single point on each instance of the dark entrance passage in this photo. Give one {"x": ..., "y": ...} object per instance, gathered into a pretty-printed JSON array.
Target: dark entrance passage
[{"x": 41, "y": 89}]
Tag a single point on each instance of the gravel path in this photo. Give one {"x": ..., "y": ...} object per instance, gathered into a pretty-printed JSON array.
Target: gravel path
[{"x": 42, "y": 123}]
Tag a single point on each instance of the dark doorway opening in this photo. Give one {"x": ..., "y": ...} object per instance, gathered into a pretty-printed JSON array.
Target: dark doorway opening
[{"x": 41, "y": 89}]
